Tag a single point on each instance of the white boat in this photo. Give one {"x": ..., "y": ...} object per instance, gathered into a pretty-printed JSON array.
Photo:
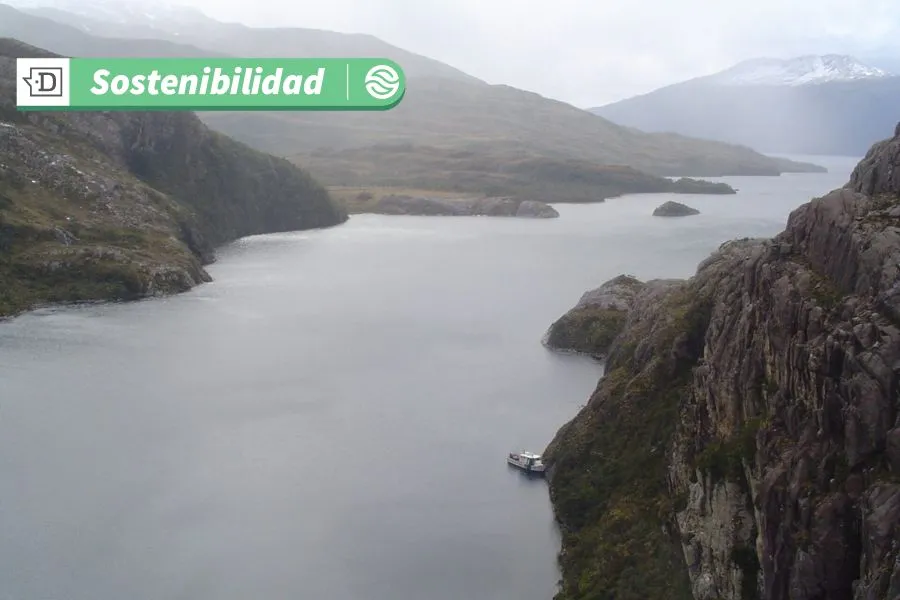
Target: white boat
[{"x": 526, "y": 461}]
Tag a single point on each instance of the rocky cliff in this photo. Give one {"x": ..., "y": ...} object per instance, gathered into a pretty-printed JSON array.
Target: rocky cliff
[
  {"x": 123, "y": 205},
  {"x": 744, "y": 441}
]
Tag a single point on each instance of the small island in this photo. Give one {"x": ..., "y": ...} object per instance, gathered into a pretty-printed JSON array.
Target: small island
[{"x": 674, "y": 209}]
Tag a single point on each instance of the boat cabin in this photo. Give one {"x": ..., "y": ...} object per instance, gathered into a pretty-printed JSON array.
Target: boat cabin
[{"x": 527, "y": 461}]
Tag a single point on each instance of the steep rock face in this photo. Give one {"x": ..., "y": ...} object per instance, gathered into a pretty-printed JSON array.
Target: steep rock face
[
  {"x": 779, "y": 363},
  {"x": 878, "y": 173},
  {"x": 123, "y": 205}
]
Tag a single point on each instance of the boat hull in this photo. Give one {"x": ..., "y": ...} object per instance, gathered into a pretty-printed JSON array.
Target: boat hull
[{"x": 525, "y": 468}]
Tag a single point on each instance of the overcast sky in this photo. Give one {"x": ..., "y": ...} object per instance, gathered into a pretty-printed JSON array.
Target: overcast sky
[{"x": 590, "y": 52}]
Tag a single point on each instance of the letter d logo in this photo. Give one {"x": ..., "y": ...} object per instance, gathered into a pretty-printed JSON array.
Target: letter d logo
[{"x": 42, "y": 82}]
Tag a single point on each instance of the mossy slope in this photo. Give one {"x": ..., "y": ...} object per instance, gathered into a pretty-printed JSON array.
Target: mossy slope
[
  {"x": 608, "y": 466},
  {"x": 100, "y": 206}
]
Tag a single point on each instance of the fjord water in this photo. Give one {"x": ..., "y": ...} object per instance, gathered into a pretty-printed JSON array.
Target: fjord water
[{"x": 329, "y": 417}]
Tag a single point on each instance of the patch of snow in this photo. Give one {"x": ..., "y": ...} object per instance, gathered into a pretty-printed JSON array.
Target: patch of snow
[{"x": 801, "y": 70}]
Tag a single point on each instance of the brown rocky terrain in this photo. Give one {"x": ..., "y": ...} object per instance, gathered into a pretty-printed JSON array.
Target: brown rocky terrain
[{"x": 744, "y": 441}]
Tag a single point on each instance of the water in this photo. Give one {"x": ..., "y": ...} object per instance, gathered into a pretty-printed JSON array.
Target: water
[{"x": 329, "y": 418}]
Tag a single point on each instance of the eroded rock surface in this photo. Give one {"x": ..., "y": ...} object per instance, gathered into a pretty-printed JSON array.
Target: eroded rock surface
[{"x": 758, "y": 402}]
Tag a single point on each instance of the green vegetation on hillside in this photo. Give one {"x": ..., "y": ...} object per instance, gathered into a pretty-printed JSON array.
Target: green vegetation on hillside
[
  {"x": 474, "y": 137},
  {"x": 520, "y": 175},
  {"x": 99, "y": 206},
  {"x": 494, "y": 120},
  {"x": 589, "y": 330},
  {"x": 65, "y": 236},
  {"x": 608, "y": 466},
  {"x": 367, "y": 199}
]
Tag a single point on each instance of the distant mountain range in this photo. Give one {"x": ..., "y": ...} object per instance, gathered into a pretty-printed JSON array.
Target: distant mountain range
[
  {"x": 128, "y": 14},
  {"x": 444, "y": 107},
  {"x": 803, "y": 70},
  {"x": 98, "y": 27},
  {"x": 831, "y": 104}
]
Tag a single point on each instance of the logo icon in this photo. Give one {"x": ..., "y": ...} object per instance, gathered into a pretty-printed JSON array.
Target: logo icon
[
  {"x": 42, "y": 82},
  {"x": 45, "y": 82},
  {"x": 382, "y": 82}
]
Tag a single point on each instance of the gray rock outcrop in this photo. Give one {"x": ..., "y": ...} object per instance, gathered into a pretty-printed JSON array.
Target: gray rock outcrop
[
  {"x": 745, "y": 440},
  {"x": 616, "y": 294},
  {"x": 877, "y": 173},
  {"x": 598, "y": 317},
  {"x": 536, "y": 210}
]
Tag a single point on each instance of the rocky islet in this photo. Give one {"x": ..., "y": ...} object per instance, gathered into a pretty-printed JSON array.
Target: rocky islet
[{"x": 674, "y": 209}]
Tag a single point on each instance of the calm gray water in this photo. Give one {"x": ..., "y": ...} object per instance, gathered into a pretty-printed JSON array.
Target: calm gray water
[{"x": 329, "y": 418}]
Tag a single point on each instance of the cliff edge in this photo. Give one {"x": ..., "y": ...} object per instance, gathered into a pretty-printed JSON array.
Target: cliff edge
[{"x": 744, "y": 441}]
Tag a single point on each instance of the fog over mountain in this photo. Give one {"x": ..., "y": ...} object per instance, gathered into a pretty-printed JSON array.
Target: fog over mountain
[
  {"x": 831, "y": 104},
  {"x": 611, "y": 50},
  {"x": 452, "y": 131},
  {"x": 731, "y": 430},
  {"x": 890, "y": 64}
]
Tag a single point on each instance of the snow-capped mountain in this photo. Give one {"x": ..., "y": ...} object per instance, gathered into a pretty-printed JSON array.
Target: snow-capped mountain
[
  {"x": 801, "y": 70},
  {"x": 831, "y": 104}
]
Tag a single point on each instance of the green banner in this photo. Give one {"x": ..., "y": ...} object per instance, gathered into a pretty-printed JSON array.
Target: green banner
[{"x": 208, "y": 84}]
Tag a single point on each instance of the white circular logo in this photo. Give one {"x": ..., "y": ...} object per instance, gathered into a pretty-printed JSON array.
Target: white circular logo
[{"x": 382, "y": 82}]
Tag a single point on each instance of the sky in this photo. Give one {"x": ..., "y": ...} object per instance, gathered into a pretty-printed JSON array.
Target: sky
[{"x": 591, "y": 52}]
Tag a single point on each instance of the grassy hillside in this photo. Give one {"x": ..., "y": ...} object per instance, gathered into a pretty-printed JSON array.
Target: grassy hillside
[
  {"x": 520, "y": 175},
  {"x": 122, "y": 205},
  {"x": 495, "y": 119}
]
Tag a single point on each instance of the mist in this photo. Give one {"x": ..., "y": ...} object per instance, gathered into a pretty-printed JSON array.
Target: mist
[
  {"x": 579, "y": 51},
  {"x": 841, "y": 118}
]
